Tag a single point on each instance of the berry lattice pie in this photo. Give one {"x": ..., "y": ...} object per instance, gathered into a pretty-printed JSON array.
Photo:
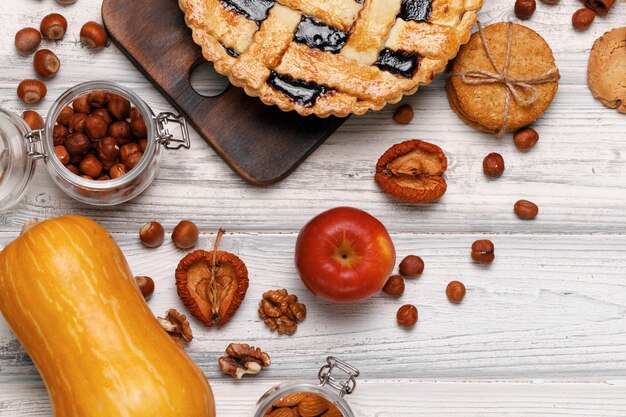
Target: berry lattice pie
[{"x": 328, "y": 57}]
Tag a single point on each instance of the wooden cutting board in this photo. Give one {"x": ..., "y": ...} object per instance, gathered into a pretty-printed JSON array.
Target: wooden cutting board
[{"x": 260, "y": 143}]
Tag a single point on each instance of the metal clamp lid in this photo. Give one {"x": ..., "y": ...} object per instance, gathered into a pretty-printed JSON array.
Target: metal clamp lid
[
  {"x": 33, "y": 137},
  {"x": 165, "y": 137},
  {"x": 326, "y": 377}
]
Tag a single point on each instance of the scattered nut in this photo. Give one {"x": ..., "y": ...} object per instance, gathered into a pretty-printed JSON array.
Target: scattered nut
[
  {"x": 281, "y": 311},
  {"x": 46, "y": 63},
  {"x": 177, "y": 326},
  {"x": 185, "y": 235},
  {"x": 243, "y": 359},
  {"x": 583, "y": 18},
  {"x": 394, "y": 286},
  {"x": 524, "y": 9},
  {"x": 27, "y": 40},
  {"x": 403, "y": 114},
  {"x": 53, "y": 26},
  {"x": 525, "y": 138},
  {"x": 411, "y": 266},
  {"x": 33, "y": 119},
  {"x": 407, "y": 316},
  {"x": 152, "y": 234},
  {"x": 146, "y": 286},
  {"x": 31, "y": 91},
  {"x": 483, "y": 251},
  {"x": 526, "y": 210},
  {"x": 493, "y": 165},
  {"x": 412, "y": 171},
  {"x": 455, "y": 291},
  {"x": 93, "y": 35}
]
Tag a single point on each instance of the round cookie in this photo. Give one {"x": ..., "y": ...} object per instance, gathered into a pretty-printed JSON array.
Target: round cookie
[
  {"x": 606, "y": 72},
  {"x": 482, "y": 105}
]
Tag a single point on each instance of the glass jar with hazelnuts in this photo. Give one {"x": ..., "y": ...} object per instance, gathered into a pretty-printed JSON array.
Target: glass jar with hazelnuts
[{"x": 101, "y": 145}]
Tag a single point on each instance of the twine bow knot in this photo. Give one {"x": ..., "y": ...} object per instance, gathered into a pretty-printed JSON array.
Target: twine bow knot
[{"x": 522, "y": 90}]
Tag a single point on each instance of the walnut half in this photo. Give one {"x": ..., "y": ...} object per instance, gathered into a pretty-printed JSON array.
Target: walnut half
[
  {"x": 177, "y": 326},
  {"x": 281, "y": 311},
  {"x": 243, "y": 359}
]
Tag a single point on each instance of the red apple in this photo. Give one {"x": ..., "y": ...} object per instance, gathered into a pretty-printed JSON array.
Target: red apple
[{"x": 344, "y": 255}]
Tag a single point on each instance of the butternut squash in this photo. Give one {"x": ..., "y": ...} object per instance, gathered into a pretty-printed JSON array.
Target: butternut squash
[{"x": 68, "y": 294}]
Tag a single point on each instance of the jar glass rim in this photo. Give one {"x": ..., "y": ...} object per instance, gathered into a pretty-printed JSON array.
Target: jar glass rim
[{"x": 66, "y": 99}]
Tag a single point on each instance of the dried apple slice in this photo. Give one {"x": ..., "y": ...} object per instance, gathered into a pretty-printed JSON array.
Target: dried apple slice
[
  {"x": 212, "y": 284},
  {"x": 412, "y": 171}
]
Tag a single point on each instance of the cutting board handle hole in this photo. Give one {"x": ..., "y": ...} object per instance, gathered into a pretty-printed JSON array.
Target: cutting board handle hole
[{"x": 206, "y": 82}]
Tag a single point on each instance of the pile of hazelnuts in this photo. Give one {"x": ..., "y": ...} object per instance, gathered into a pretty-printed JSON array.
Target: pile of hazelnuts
[
  {"x": 581, "y": 19},
  {"x": 46, "y": 63},
  {"x": 100, "y": 137}
]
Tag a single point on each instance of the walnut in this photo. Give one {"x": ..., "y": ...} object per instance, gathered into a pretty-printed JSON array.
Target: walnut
[
  {"x": 281, "y": 311},
  {"x": 177, "y": 326},
  {"x": 243, "y": 359}
]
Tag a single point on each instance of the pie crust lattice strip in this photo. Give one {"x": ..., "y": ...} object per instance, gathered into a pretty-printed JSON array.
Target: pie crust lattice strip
[{"x": 330, "y": 57}]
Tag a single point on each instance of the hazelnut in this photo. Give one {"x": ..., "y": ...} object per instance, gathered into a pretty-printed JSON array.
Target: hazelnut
[
  {"x": 93, "y": 35},
  {"x": 72, "y": 169},
  {"x": 108, "y": 163},
  {"x": 152, "y": 234},
  {"x": 119, "y": 107},
  {"x": 135, "y": 113},
  {"x": 493, "y": 165},
  {"x": 53, "y": 27},
  {"x": 185, "y": 235},
  {"x": 27, "y": 40},
  {"x": 46, "y": 63},
  {"x": 62, "y": 154},
  {"x": 407, "y": 316},
  {"x": 583, "y": 18},
  {"x": 103, "y": 178},
  {"x": 127, "y": 150},
  {"x": 146, "y": 286},
  {"x": 138, "y": 127},
  {"x": 133, "y": 160},
  {"x": 59, "y": 134},
  {"x": 31, "y": 91},
  {"x": 394, "y": 286},
  {"x": 455, "y": 291},
  {"x": 411, "y": 266},
  {"x": 97, "y": 99},
  {"x": 121, "y": 132},
  {"x": 525, "y": 138},
  {"x": 66, "y": 2},
  {"x": 117, "y": 170},
  {"x": 143, "y": 144},
  {"x": 524, "y": 9},
  {"x": 77, "y": 144},
  {"x": 77, "y": 122},
  {"x": 75, "y": 159},
  {"x": 108, "y": 149},
  {"x": 33, "y": 119},
  {"x": 81, "y": 106},
  {"x": 483, "y": 251},
  {"x": 95, "y": 127},
  {"x": 90, "y": 165},
  {"x": 104, "y": 113},
  {"x": 403, "y": 114},
  {"x": 64, "y": 116},
  {"x": 526, "y": 210},
  {"x": 87, "y": 177}
]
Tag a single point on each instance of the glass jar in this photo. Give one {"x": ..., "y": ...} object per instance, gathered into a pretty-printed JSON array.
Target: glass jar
[
  {"x": 331, "y": 387},
  {"x": 20, "y": 148}
]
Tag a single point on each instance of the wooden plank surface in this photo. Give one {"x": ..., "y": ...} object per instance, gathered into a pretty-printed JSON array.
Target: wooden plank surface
[{"x": 542, "y": 331}]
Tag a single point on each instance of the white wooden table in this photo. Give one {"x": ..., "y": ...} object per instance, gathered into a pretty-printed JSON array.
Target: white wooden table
[{"x": 542, "y": 331}]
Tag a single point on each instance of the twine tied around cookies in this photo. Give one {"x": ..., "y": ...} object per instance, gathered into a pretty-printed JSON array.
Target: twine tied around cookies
[{"x": 522, "y": 90}]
